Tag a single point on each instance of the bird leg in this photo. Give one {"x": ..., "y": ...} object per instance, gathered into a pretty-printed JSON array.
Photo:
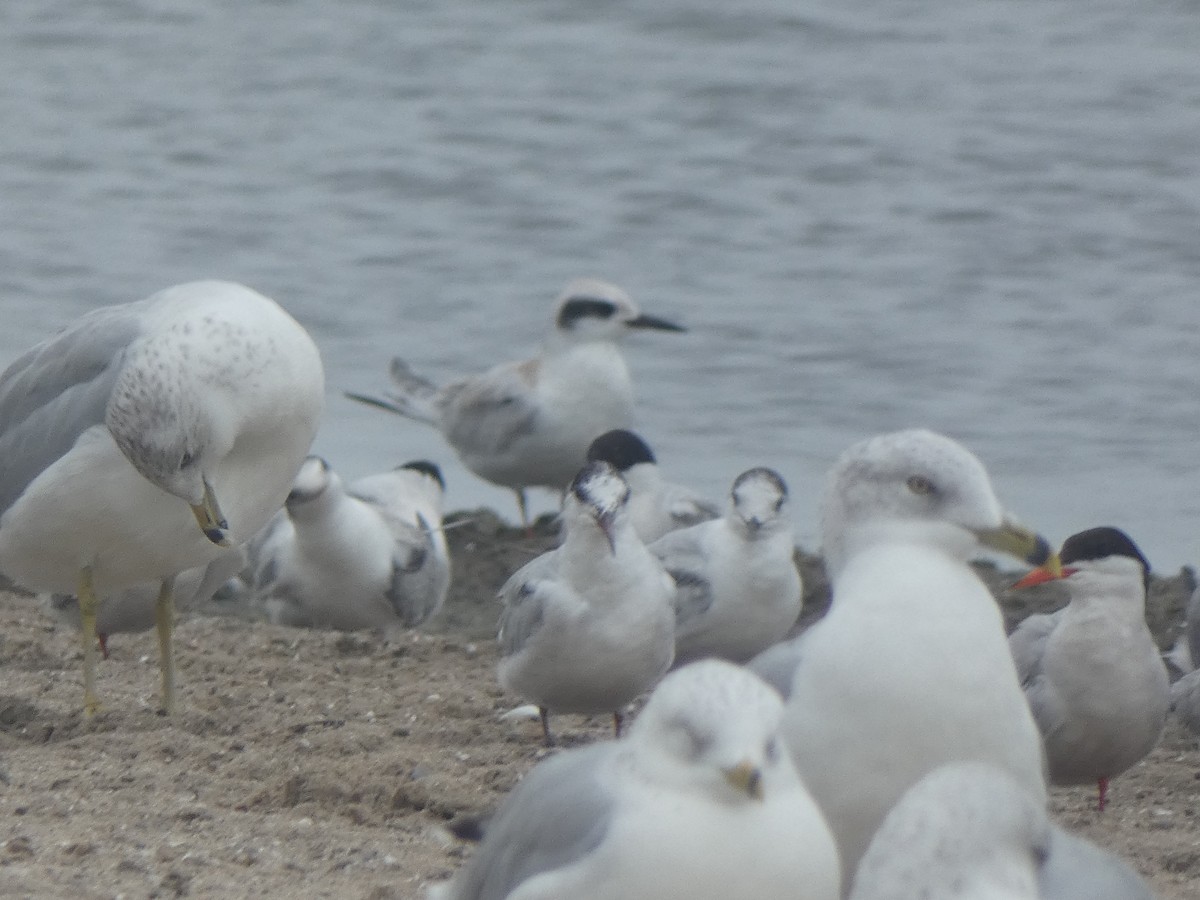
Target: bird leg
[
  {"x": 523, "y": 507},
  {"x": 618, "y": 722},
  {"x": 102, "y": 639},
  {"x": 164, "y": 618},
  {"x": 89, "y": 607},
  {"x": 547, "y": 737},
  {"x": 1102, "y": 784}
]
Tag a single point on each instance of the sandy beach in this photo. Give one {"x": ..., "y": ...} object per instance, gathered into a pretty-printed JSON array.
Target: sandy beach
[{"x": 319, "y": 764}]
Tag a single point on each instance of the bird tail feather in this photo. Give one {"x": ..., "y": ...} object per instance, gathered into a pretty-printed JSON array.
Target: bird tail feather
[{"x": 411, "y": 395}]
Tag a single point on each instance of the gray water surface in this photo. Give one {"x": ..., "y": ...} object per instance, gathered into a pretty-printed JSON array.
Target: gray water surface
[{"x": 982, "y": 218}]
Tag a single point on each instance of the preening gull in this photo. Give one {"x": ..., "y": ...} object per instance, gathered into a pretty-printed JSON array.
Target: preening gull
[
  {"x": 969, "y": 830},
  {"x": 146, "y": 438},
  {"x": 333, "y": 560},
  {"x": 588, "y": 626},
  {"x": 910, "y": 667},
  {"x": 698, "y": 802},
  {"x": 737, "y": 589},
  {"x": 529, "y": 423},
  {"x": 656, "y": 505},
  {"x": 1092, "y": 673}
]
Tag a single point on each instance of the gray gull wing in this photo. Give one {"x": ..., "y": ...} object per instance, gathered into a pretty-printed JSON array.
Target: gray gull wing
[
  {"x": 57, "y": 390},
  {"x": 559, "y": 813}
]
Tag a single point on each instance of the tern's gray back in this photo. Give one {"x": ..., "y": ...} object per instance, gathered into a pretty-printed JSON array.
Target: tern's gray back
[
  {"x": 558, "y": 814},
  {"x": 1027, "y": 644},
  {"x": 57, "y": 390}
]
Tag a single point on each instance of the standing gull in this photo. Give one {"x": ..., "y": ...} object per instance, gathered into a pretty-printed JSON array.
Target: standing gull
[
  {"x": 529, "y": 423},
  {"x": 969, "y": 830},
  {"x": 1091, "y": 671},
  {"x": 737, "y": 589},
  {"x": 656, "y": 505},
  {"x": 588, "y": 626},
  {"x": 332, "y": 560},
  {"x": 699, "y": 802},
  {"x": 910, "y": 667},
  {"x": 146, "y": 438}
]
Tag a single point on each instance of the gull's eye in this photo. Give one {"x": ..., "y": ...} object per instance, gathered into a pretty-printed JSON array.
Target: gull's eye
[
  {"x": 920, "y": 485},
  {"x": 187, "y": 459}
]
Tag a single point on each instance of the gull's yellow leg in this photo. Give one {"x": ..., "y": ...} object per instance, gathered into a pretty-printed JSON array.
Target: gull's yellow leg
[
  {"x": 164, "y": 618},
  {"x": 89, "y": 606}
]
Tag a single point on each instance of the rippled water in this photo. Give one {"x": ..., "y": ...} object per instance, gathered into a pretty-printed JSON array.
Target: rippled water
[{"x": 984, "y": 218}]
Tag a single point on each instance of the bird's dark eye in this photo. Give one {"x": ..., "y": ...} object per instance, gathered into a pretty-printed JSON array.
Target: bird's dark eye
[
  {"x": 920, "y": 485},
  {"x": 187, "y": 459}
]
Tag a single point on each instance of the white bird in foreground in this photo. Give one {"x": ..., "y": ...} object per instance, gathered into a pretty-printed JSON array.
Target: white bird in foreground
[
  {"x": 1092, "y": 672},
  {"x": 529, "y": 423},
  {"x": 699, "y": 802},
  {"x": 969, "y": 830},
  {"x": 146, "y": 438},
  {"x": 737, "y": 589},
  {"x": 589, "y": 626},
  {"x": 656, "y": 505},
  {"x": 333, "y": 560},
  {"x": 910, "y": 667}
]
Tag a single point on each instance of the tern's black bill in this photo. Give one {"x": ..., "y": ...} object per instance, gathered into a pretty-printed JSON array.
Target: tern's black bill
[{"x": 645, "y": 321}]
